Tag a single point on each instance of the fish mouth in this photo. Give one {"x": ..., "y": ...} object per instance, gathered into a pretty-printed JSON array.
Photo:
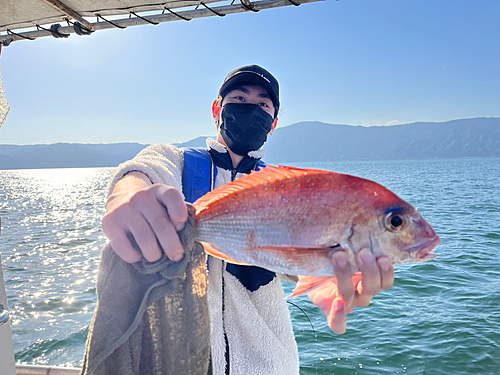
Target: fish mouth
[{"x": 423, "y": 250}]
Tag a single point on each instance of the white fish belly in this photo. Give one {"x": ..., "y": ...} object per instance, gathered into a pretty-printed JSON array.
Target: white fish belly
[{"x": 270, "y": 244}]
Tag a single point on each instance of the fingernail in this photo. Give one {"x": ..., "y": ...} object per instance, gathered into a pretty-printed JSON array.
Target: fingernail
[
  {"x": 179, "y": 227},
  {"x": 339, "y": 305},
  {"x": 340, "y": 259},
  {"x": 384, "y": 263},
  {"x": 366, "y": 256}
]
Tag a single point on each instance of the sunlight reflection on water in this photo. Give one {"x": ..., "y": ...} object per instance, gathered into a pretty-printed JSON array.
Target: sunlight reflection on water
[{"x": 51, "y": 245}]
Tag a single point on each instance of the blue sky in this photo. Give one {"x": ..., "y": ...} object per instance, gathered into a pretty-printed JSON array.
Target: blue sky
[{"x": 357, "y": 62}]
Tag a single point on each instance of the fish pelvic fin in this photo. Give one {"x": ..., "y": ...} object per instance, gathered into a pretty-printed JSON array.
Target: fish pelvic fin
[
  {"x": 307, "y": 284},
  {"x": 211, "y": 250}
]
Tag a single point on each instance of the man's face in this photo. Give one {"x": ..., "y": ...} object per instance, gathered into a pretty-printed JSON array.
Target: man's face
[{"x": 251, "y": 95}]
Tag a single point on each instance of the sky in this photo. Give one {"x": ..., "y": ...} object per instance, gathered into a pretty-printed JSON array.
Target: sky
[{"x": 353, "y": 62}]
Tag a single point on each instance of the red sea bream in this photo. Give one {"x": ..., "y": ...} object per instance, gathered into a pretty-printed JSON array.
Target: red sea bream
[{"x": 291, "y": 220}]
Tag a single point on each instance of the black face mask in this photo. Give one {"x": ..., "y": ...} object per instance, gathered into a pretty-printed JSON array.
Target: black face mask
[{"x": 245, "y": 127}]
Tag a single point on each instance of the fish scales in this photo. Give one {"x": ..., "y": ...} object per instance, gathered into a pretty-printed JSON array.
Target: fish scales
[{"x": 240, "y": 222}]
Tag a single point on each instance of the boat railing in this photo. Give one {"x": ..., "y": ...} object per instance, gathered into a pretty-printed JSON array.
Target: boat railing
[
  {"x": 7, "y": 360},
  {"x": 44, "y": 370}
]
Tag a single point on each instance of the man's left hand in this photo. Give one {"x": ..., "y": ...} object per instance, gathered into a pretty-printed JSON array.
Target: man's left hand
[{"x": 339, "y": 297}]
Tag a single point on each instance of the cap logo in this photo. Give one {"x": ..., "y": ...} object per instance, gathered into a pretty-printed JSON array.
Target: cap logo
[
  {"x": 262, "y": 75},
  {"x": 259, "y": 74}
]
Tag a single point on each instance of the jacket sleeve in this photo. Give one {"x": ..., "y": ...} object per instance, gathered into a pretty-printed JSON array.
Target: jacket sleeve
[{"x": 162, "y": 164}]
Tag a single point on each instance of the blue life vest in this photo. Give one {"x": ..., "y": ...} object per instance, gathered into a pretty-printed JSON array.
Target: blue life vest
[
  {"x": 198, "y": 174},
  {"x": 198, "y": 178}
]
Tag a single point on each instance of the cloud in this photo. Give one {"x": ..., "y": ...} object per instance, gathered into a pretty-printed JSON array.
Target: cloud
[{"x": 393, "y": 122}]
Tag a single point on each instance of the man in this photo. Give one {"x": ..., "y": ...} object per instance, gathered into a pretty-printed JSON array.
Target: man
[{"x": 251, "y": 331}]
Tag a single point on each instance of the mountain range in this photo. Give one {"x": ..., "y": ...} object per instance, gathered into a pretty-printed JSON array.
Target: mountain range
[{"x": 301, "y": 142}]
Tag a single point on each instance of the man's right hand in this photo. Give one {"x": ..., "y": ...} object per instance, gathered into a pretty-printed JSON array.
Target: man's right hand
[{"x": 142, "y": 219}]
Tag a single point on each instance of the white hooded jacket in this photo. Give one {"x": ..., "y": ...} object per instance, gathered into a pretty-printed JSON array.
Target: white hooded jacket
[{"x": 251, "y": 330}]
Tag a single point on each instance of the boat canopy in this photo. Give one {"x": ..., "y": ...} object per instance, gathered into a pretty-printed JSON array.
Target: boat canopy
[{"x": 28, "y": 19}]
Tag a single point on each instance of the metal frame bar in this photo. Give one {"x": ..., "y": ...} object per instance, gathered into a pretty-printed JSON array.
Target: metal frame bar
[{"x": 160, "y": 18}]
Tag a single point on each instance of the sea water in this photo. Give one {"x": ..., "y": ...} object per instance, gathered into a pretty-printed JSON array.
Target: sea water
[{"x": 441, "y": 317}]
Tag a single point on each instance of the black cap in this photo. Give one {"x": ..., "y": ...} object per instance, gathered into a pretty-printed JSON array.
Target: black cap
[{"x": 254, "y": 75}]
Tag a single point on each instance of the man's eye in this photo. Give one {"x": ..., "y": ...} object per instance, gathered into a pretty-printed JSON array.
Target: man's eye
[
  {"x": 263, "y": 105},
  {"x": 240, "y": 98}
]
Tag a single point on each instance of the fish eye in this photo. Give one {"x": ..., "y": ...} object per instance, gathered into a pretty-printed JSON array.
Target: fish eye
[{"x": 394, "y": 222}]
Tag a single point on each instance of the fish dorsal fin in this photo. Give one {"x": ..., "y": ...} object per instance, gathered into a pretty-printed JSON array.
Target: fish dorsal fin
[{"x": 266, "y": 175}]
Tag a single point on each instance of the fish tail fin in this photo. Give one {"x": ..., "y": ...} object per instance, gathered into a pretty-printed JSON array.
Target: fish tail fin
[{"x": 309, "y": 283}]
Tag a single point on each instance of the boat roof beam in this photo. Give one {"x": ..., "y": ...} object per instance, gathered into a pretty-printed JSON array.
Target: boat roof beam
[
  {"x": 69, "y": 12},
  {"x": 197, "y": 12}
]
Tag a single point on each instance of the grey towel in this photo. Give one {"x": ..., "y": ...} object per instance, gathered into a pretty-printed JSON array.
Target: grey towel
[{"x": 151, "y": 318}]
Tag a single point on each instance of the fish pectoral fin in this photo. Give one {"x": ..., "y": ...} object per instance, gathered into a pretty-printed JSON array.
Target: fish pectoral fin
[
  {"x": 211, "y": 250},
  {"x": 308, "y": 283}
]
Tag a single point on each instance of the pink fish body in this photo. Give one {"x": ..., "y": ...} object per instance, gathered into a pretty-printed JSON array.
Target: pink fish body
[{"x": 291, "y": 220}]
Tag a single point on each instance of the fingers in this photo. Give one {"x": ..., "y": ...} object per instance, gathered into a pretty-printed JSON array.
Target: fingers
[
  {"x": 371, "y": 283},
  {"x": 352, "y": 290},
  {"x": 145, "y": 239},
  {"x": 376, "y": 276},
  {"x": 165, "y": 233},
  {"x": 119, "y": 241},
  {"x": 130, "y": 235},
  {"x": 343, "y": 272},
  {"x": 174, "y": 203},
  {"x": 123, "y": 247},
  {"x": 164, "y": 211},
  {"x": 144, "y": 222},
  {"x": 338, "y": 318},
  {"x": 386, "y": 273}
]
